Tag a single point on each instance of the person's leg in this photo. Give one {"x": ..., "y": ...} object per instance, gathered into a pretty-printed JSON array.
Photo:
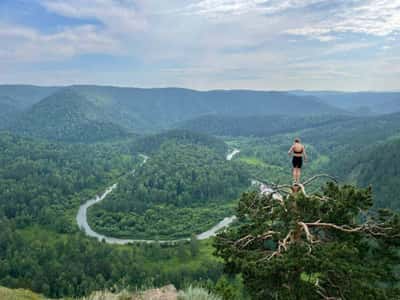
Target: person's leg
[
  {"x": 298, "y": 175},
  {"x": 294, "y": 173}
]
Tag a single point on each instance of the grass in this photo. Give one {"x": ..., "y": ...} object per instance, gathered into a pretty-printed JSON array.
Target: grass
[{"x": 194, "y": 293}]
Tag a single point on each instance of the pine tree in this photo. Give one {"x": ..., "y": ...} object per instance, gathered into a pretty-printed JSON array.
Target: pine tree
[{"x": 329, "y": 245}]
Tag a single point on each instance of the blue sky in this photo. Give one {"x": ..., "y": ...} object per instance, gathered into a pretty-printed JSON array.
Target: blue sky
[{"x": 203, "y": 44}]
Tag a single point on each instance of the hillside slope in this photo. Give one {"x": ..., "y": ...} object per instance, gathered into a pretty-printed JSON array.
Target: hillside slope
[
  {"x": 261, "y": 126},
  {"x": 8, "y": 111},
  {"x": 66, "y": 116},
  {"x": 359, "y": 102},
  {"x": 378, "y": 166},
  {"x": 24, "y": 96},
  {"x": 153, "y": 109},
  {"x": 185, "y": 187},
  {"x": 150, "y": 109}
]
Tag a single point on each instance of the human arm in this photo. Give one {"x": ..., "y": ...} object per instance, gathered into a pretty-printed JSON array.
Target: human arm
[{"x": 290, "y": 151}]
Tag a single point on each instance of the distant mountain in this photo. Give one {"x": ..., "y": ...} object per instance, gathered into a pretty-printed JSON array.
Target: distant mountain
[
  {"x": 66, "y": 116},
  {"x": 256, "y": 125},
  {"x": 24, "y": 96},
  {"x": 8, "y": 111},
  {"x": 353, "y": 134},
  {"x": 362, "y": 103},
  {"x": 149, "y": 110},
  {"x": 144, "y": 109}
]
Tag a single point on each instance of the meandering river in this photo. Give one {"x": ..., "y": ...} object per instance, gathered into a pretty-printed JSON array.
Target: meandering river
[{"x": 81, "y": 217}]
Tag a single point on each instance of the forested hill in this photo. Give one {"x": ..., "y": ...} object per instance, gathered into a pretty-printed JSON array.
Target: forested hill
[
  {"x": 152, "y": 143},
  {"x": 379, "y": 166},
  {"x": 185, "y": 187},
  {"x": 155, "y": 108},
  {"x": 359, "y": 102},
  {"x": 8, "y": 111},
  {"x": 147, "y": 110},
  {"x": 363, "y": 151},
  {"x": 66, "y": 116},
  {"x": 261, "y": 126},
  {"x": 353, "y": 134},
  {"x": 24, "y": 96},
  {"x": 181, "y": 190}
]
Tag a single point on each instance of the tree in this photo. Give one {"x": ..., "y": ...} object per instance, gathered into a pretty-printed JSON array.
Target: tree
[
  {"x": 321, "y": 246},
  {"x": 194, "y": 245}
]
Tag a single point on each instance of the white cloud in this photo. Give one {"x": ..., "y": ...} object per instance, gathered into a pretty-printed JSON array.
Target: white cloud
[
  {"x": 224, "y": 8},
  {"x": 119, "y": 19},
  {"x": 23, "y": 44},
  {"x": 204, "y": 44},
  {"x": 371, "y": 17},
  {"x": 117, "y": 16}
]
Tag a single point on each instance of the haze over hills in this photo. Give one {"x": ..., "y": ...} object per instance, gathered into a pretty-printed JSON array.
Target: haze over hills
[
  {"x": 144, "y": 109},
  {"x": 149, "y": 110},
  {"x": 261, "y": 126},
  {"x": 24, "y": 96},
  {"x": 69, "y": 109},
  {"x": 8, "y": 110},
  {"x": 359, "y": 102},
  {"x": 66, "y": 116}
]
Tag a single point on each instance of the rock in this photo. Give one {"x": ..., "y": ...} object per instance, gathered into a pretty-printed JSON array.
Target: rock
[{"x": 168, "y": 292}]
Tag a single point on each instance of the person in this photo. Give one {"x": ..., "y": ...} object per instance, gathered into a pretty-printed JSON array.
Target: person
[{"x": 299, "y": 152}]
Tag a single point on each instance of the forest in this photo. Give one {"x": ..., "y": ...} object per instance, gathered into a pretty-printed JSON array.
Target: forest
[
  {"x": 182, "y": 189},
  {"x": 61, "y": 148}
]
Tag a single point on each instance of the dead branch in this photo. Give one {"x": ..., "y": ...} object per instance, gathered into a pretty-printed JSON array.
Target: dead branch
[
  {"x": 319, "y": 176},
  {"x": 248, "y": 239},
  {"x": 373, "y": 229},
  {"x": 322, "y": 292},
  {"x": 309, "y": 236}
]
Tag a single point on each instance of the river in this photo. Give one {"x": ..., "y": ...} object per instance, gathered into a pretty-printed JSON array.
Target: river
[{"x": 81, "y": 217}]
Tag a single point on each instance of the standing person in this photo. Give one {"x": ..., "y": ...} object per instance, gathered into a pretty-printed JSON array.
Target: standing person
[{"x": 299, "y": 151}]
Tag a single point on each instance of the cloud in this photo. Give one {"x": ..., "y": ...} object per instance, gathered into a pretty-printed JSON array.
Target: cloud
[
  {"x": 117, "y": 16},
  {"x": 24, "y": 44},
  {"x": 221, "y": 8},
  {"x": 204, "y": 43},
  {"x": 371, "y": 17},
  {"x": 118, "y": 20}
]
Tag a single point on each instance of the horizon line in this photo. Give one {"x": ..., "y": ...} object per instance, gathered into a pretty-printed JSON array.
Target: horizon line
[{"x": 198, "y": 90}]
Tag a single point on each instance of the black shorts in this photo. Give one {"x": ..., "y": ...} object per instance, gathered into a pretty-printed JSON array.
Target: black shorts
[{"x": 297, "y": 161}]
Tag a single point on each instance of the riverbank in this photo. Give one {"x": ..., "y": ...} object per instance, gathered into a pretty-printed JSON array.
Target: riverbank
[{"x": 82, "y": 222}]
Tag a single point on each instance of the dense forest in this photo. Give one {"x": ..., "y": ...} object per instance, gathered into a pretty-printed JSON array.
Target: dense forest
[
  {"x": 152, "y": 143},
  {"x": 260, "y": 126},
  {"x": 42, "y": 185},
  {"x": 72, "y": 265},
  {"x": 182, "y": 189},
  {"x": 39, "y": 181},
  {"x": 66, "y": 116},
  {"x": 64, "y": 146}
]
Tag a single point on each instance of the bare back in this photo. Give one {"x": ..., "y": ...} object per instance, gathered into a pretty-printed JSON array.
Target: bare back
[{"x": 298, "y": 149}]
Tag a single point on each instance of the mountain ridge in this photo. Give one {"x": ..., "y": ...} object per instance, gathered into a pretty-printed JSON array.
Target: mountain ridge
[{"x": 66, "y": 116}]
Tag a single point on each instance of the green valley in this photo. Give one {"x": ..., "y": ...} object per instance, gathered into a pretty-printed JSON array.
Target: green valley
[{"x": 59, "y": 151}]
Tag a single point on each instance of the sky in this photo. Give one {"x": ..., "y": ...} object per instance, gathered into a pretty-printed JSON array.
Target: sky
[{"x": 348, "y": 45}]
